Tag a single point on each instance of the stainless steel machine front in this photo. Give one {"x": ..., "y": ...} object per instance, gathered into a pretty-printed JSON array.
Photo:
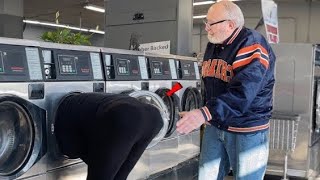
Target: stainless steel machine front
[
  {"x": 68, "y": 69},
  {"x": 190, "y": 98},
  {"x": 294, "y": 127},
  {"x": 42, "y": 74},
  {"x": 162, "y": 73},
  {"x": 22, "y": 114},
  {"x": 126, "y": 72}
]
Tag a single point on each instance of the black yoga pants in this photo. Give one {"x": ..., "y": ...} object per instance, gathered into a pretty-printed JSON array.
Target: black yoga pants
[{"x": 109, "y": 132}]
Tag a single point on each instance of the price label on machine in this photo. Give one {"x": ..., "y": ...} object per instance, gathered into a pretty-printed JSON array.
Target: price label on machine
[
  {"x": 143, "y": 67},
  {"x": 34, "y": 66},
  {"x": 96, "y": 65},
  {"x": 173, "y": 69}
]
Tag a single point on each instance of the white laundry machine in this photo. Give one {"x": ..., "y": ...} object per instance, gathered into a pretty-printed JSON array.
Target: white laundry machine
[
  {"x": 126, "y": 72},
  {"x": 190, "y": 96},
  {"x": 68, "y": 69},
  {"x": 162, "y": 72},
  {"x": 22, "y": 113}
]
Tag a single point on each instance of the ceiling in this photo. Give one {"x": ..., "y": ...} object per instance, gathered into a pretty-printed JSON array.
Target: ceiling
[{"x": 71, "y": 11}]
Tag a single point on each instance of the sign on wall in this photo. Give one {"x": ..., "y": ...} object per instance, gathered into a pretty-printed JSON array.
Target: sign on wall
[
  {"x": 270, "y": 17},
  {"x": 162, "y": 47}
]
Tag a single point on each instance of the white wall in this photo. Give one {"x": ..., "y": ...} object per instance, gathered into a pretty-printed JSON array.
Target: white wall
[
  {"x": 34, "y": 33},
  {"x": 298, "y": 22}
]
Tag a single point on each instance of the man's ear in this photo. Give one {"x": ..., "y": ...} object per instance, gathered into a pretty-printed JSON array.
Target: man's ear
[{"x": 232, "y": 25}]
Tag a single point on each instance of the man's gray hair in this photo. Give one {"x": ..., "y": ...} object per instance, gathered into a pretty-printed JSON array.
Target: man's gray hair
[{"x": 233, "y": 12}]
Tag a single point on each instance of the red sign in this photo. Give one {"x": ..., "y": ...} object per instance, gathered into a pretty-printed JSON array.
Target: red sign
[{"x": 270, "y": 18}]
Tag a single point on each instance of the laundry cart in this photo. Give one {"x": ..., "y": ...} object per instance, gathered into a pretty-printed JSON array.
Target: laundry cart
[
  {"x": 295, "y": 124},
  {"x": 283, "y": 136}
]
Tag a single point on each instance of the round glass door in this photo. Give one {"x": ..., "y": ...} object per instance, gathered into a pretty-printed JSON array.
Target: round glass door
[
  {"x": 16, "y": 137},
  {"x": 189, "y": 100},
  {"x": 198, "y": 96},
  {"x": 153, "y": 99},
  {"x": 172, "y": 107}
]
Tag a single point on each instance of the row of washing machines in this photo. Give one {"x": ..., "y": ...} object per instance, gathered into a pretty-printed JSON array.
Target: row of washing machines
[{"x": 36, "y": 76}]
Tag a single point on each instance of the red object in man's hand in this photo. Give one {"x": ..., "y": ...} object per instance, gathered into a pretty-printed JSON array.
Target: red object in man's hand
[{"x": 176, "y": 87}]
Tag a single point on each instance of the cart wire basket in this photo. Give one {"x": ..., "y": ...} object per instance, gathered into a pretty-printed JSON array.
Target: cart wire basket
[{"x": 283, "y": 134}]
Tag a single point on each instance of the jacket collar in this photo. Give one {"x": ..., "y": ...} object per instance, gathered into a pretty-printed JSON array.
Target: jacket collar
[{"x": 233, "y": 36}]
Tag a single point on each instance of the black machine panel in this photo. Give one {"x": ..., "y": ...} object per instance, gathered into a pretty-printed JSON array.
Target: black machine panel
[
  {"x": 72, "y": 65},
  {"x": 159, "y": 68},
  {"x": 20, "y": 63},
  {"x": 186, "y": 70},
  {"x": 124, "y": 67},
  {"x": 317, "y": 55}
]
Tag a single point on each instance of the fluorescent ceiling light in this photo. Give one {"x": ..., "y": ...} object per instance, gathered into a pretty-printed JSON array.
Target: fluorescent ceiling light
[
  {"x": 203, "y": 3},
  {"x": 94, "y": 8},
  {"x": 62, "y": 26},
  {"x": 31, "y": 22},
  {"x": 52, "y": 24},
  {"x": 96, "y": 31},
  {"x": 199, "y": 17}
]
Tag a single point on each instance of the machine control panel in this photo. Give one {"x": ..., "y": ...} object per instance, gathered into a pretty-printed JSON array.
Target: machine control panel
[
  {"x": 71, "y": 65},
  {"x": 159, "y": 68},
  {"x": 19, "y": 63},
  {"x": 68, "y": 64},
  {"x": 188, "y": 69},
  {"x": 124, "y": 67}
]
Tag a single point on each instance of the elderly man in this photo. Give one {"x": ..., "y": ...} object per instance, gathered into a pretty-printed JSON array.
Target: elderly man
[{"x": 238, "y": 75}]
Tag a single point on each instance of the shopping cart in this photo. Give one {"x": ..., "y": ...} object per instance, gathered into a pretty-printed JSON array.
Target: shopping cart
[{"x": 283, "y": 135}]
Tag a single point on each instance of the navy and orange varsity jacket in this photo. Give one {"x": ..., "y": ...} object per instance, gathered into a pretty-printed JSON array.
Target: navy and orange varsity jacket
[{"x": 239, "y": 76}]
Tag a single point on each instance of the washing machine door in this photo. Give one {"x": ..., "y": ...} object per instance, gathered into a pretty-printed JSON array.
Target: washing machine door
[
  {"x": 199, "y": 96},
  {"x": 153, "y": 99},
  {"x": 172, "y": 104},
  {"x": 22, "y": 136},
  {"x": 191, "y": 99}
]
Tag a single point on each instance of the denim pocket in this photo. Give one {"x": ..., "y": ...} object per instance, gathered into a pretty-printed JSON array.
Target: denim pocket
[{"x": 260, "y": 137}]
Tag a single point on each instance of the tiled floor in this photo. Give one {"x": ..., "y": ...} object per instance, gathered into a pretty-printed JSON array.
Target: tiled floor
[
  {"x": 189, "y": 171},
  {"x": 270, "y": 178}
]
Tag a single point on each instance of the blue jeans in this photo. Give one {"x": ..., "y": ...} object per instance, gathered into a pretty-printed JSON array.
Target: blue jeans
[{"x": 246, "y": 154}]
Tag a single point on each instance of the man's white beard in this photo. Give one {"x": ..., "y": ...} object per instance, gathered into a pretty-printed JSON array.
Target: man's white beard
[{"x": 215, "y": 39}]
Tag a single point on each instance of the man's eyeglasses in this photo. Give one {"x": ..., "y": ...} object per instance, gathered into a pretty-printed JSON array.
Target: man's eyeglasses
[{"x": 211, "y": 24}]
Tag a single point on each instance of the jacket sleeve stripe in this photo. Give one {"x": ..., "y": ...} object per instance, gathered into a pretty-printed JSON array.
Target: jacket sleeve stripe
[
  {"x": 207, "y": 112},
  {"x": 248, "y": 60},
  {"x": 264, "y": 62},
  {"x": 250, "y": 129},
  {"x": 252, "y": 48},
  {"x": 248, "y": 53},
  {"x": 204, "y": 114}
]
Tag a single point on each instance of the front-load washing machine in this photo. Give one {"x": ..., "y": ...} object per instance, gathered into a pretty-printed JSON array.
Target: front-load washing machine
[
  {"x": 162, "y": 72},
  {"x": 68, "y": 69},
  {"x": 126, "y": 72},
  {"x": 22, "y": 113},
  {"x": 190, "y": 96}
]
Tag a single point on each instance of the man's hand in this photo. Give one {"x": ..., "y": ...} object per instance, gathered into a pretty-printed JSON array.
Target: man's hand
[{"x": 190, "y": 121}]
